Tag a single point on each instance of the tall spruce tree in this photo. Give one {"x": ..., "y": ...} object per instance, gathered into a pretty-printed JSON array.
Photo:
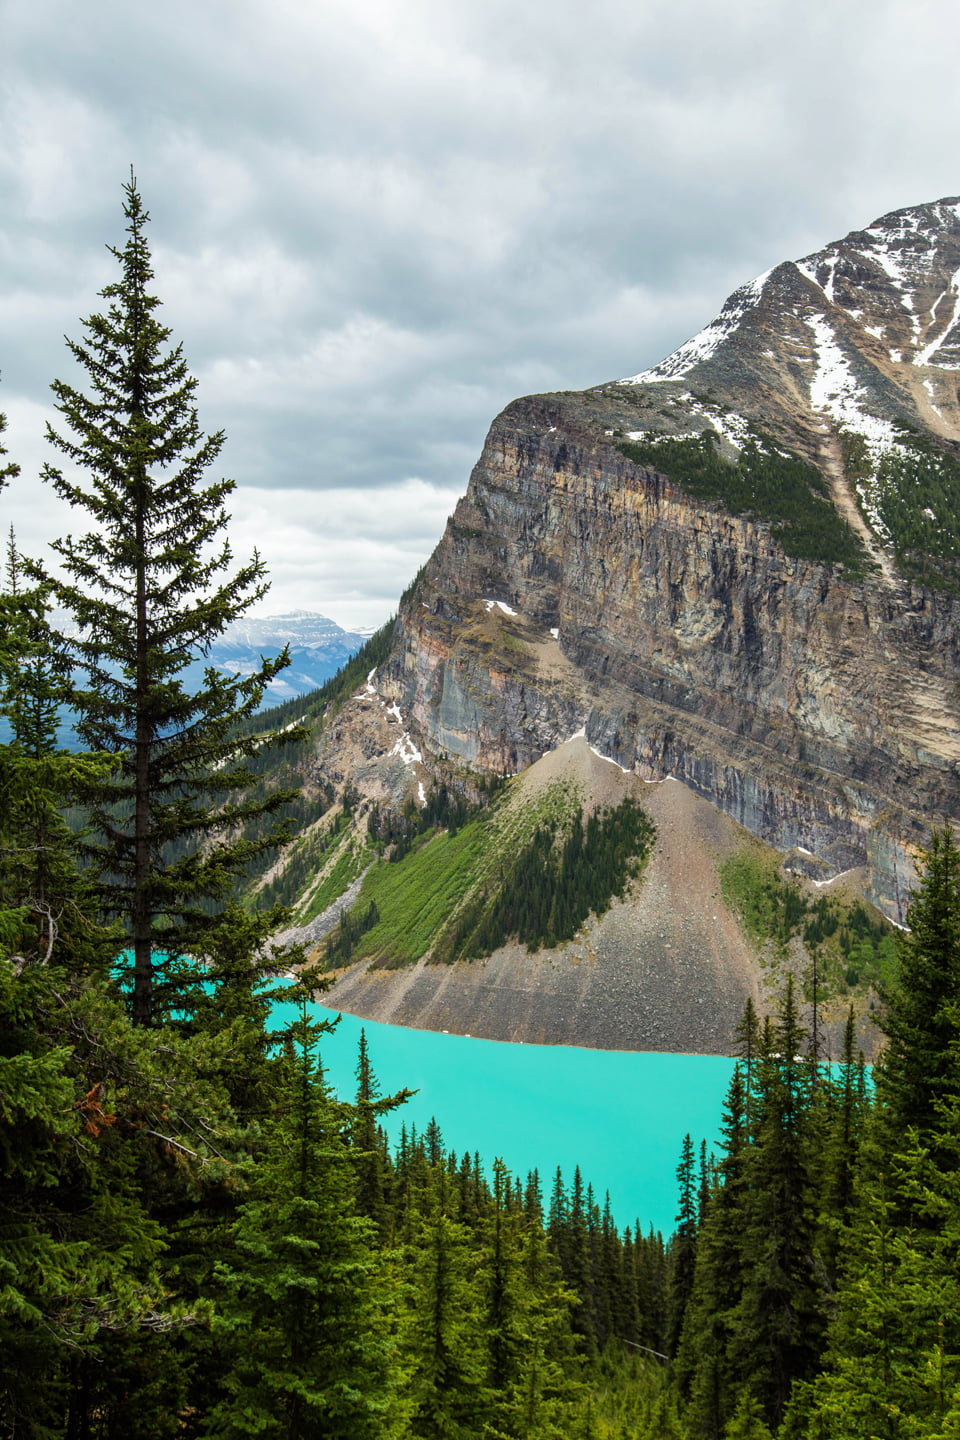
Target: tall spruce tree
[
  {"x": 445, "y": 1336},
  {"x": 304, "y": 1282},
  {"x": 893, "y": 1364},
  {"x": 704, "y": 1367},
  {"x": 918, "y": 1071},
  {"x": 776, "y": 1330},
  {"x": 371, "y": 1159},
  {"x": 148, "y": 586},
  {"x": 684, "y": 1246}
]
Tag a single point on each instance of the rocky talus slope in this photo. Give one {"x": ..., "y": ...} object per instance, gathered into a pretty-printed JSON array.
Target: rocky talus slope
[{"x": 668, "y": 967}]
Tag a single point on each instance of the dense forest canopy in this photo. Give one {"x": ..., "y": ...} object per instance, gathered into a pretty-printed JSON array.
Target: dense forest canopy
[{"x": 198, "y": 1238}]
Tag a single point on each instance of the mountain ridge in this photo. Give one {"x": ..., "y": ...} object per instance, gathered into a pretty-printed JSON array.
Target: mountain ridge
[
  {"x": 654, "y": 561},
  {"x": 319, "y": 647}
]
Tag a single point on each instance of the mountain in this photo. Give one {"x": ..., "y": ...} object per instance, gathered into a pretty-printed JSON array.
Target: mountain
[
  {"x": 737, "y": 570},
  {"x": 318, "y": 649}
]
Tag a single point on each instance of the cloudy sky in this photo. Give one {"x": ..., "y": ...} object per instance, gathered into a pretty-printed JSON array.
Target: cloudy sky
[{"x": 375, "y": 222}]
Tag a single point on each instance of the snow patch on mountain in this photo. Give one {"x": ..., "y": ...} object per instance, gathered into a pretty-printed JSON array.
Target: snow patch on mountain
[
  {"x": 704, "y": 344},
  {"x": 600, "y": 756},
  {"x": 808, "y": 270},
  {"x": 928, "y": 355},
  {"x": 727, "y": 423},
  {"x": 404, "y": 746},
  {"x": 835, "y": 390},
  {"x": 900, "y": 268},
  {"x": 407, "y": 751}
]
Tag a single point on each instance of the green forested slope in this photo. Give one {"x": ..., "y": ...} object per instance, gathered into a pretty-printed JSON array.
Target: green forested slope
[
  {"x": 502, "y": 871},
  {"x": 762, "y": 482}
]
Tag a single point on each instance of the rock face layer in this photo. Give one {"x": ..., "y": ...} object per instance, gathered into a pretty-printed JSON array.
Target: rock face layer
[{"x": 575, "y": 589}]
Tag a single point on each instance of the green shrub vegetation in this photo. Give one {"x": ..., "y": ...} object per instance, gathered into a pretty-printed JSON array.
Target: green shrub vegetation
[
  {"x": 854, "y": 947},
  {"x": 463, "y": 891},
  {"x": 415, "y": 896},
  {"x": 763, "y": 483},
  {"x": 916, "y": 493},
  {"x": 346, "y": 858}
]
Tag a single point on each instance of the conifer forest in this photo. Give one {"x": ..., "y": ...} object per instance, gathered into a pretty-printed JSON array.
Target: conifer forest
[{"x": 199, "y": 1238}]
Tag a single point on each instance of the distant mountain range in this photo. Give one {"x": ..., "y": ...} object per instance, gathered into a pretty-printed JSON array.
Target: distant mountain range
[{"x": 318, "y": 648}]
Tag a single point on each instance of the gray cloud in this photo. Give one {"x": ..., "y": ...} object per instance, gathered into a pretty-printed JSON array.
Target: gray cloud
[{"x": 376, "y": 224}]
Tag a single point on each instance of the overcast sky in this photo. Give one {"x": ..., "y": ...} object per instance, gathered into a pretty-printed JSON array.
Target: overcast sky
[{"x": 375, "y": 222}]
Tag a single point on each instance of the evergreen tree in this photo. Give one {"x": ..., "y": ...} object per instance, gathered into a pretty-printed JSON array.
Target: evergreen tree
[
  {"x": 918, "y": 1069},
  {"x": 505, "y": 1308},
  {"x": 578, "y": 1272},
  {"x": 446, "y": 1342},
  {"x": 747, "y": 1423},
  {"x": 705, "y": 1367},
  {"x": 893, "y": 1364},
  {"x": 304, "y": 1283},
  {"x": 894, "y": 1357},
  {"x": 146, "y": 588},
  {"x": 777, "y": 1329},
  {"x": 747, "y": 1036},
  {"x": 526, "y": 1315},
  {"x": 371, "y": 1161},
  {"x": 842, "y": 1109},
  {"x": 683, "y": 1249}
]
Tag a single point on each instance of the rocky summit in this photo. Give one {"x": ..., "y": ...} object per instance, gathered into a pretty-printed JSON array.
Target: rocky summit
[{"x": 737, "y": 570}]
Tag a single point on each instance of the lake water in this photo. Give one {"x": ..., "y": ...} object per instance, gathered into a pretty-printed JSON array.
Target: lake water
[{"x": 620, "y": 1115}]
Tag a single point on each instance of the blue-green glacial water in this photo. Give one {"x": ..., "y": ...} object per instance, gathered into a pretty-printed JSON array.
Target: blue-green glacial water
[{"x": 620, "y": 1115}]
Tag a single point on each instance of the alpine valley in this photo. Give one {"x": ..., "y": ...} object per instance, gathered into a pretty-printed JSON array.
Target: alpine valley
[{"x": 722, "y": 595}]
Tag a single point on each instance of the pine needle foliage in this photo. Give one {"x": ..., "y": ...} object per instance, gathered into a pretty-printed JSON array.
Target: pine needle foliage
[
  {"x": 148, "y": 585},
  {"x": 304, "y": 1278},
  {"x": 922, "y": 1022}
]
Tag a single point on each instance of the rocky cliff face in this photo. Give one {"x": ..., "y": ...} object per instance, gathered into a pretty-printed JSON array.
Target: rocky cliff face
[{"x": 576, "y": 589}]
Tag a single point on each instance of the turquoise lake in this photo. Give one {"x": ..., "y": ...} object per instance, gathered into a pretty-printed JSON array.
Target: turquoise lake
[{"x": 620, "y": 1115}]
